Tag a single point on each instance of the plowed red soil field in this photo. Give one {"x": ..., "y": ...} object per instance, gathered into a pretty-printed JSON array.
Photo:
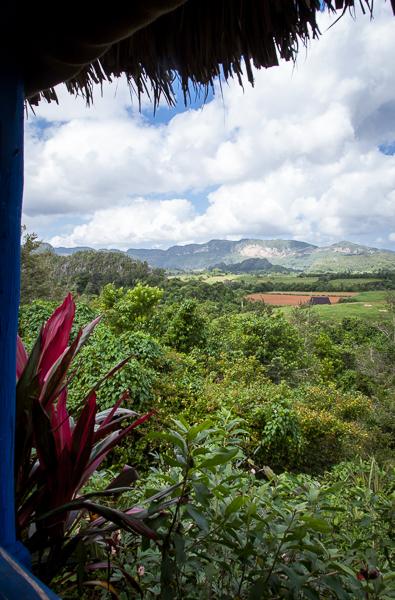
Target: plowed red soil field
[{"x": 293, "y": 299}]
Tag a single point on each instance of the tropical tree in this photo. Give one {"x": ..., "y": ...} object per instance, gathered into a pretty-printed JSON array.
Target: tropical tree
[{"x": 124, "y": 308}]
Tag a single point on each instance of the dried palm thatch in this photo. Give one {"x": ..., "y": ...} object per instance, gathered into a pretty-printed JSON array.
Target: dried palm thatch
[{"x": 153, "y": 42}]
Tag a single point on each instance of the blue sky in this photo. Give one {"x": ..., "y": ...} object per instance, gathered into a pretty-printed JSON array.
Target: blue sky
[{"x": 308, "y": 154}]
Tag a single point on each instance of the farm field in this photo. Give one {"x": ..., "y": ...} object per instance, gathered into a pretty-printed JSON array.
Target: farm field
[
  {"x": 370, "y": 306},
  {"x": 295, "y": 298}
]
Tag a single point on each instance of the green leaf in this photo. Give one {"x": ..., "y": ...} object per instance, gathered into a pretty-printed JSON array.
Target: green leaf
[
  {"x": 179, "y": 544},
  {"x": 181, "y": 424},
  {"x": 172, "y": 437},
  {"x": 334, "y": 583},
  {"x": 219, "y": 458},
  {"x": 199, "y": 519},
  {"x": 202, "y": 493},
  {"x": 258, "y": 589},
  {"x": 317, "y": 524},
  {"x": 310, "y": 594},
  {"x": 235, "y": 505},
  {"x": 344, "y": 568},
  {"x": 193, "y": 432}
]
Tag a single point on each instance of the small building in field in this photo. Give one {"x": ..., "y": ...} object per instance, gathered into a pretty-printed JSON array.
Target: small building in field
[{"x": 314, "y": 300}]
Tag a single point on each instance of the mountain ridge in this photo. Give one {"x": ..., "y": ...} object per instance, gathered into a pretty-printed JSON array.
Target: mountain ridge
[{"x": 291, "y": 254}]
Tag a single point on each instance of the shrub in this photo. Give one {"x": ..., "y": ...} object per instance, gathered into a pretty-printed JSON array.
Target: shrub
[
  {"x": 270, "y": 338},
  {"x": 225, "y": 534},
  {"x": 55, "y": 454},
  {"x": 186, "y": 329},
  {"x": 137, "y": 377},
  {"x": 125, "y": 308}
]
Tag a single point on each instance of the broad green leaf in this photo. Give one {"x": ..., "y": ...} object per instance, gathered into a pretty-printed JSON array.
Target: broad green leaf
[
  {"x": 199, "y": 519},
  {"x": 193, "y": 432},
  {"x": 234, "y": 506},
  {"x": 221, "y": 457},
  {"x": 179, "y": 544},
  {"x": 317, "y": 524},
  {"x": 334, "y": 583}
]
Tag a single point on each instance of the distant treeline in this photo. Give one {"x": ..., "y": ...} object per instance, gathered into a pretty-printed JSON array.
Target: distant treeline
[
  {"x": 379, "y": 274},
  {"x": 231, "y": 291},
  {"x": 45, "y": 275},
  {"x": 337, "y": 283}
]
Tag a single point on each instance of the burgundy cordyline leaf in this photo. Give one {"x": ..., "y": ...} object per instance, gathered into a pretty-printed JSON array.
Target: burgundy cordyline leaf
[
  {"x": 55, "y": 377},
  {"x": 55, "y": 335},
  {"x": 111, "y": 372},
  {"x": 103, "y": 448},
  {"x": 110, "y": 415},
  {"x": 29, "y": 507},
  {"x": 114, "y": 440},
  {"x": 44, "y": 439},
  {"x": 101, "y": 520},
  {"x": 126, "y": 477},
  {"x": 82, "y": 440},
  {"x": 60, "y": 422},
  {"x": 86, "y": 332},
  {"x": 115, "y": 424},
  {"x": 21, "y": 357},
  {"x": 109, "y": 424}
]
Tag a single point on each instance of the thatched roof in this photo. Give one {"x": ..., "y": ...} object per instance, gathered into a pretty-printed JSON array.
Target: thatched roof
[{"x": 154, "y": 41}]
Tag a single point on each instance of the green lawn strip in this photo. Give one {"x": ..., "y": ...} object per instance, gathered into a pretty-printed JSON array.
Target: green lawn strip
[{"x": 370, "y": 309}]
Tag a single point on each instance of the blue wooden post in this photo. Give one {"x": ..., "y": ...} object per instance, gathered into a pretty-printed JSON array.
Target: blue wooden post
[
  {"x": 11, "y": 186},
  {"x": 15, "y": 581}
]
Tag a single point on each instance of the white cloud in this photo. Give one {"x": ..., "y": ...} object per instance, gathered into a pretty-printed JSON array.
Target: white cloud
[
  {"x": 137, "y": 222},
  {"x": 295, "y": 156}
]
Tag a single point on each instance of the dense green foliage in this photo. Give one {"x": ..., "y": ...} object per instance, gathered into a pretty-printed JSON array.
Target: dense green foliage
[
  {"x": 281, "y": 457},
  {"x": 46, "y": 275},
  {"x": 123, "y": 309},
  {"x": 227, "y": 533}
]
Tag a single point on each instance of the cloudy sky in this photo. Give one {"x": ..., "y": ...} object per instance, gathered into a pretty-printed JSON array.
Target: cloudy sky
[{"x": 308, "y": 154}]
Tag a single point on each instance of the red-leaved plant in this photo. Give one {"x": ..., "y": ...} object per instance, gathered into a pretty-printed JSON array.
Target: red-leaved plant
[{"x": 56, "y": 454}]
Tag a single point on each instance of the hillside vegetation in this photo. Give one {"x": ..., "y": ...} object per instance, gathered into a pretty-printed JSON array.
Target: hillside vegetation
[{"x": 267, "y": 468}]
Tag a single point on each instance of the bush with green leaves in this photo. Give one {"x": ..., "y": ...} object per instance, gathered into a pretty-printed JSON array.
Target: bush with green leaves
[
  {"x": 33, "y": 315},
  {"x": 124, "y": 308},
  {"x": 57, "y": 452},
  {"x": 138, "y": 376},
  {"x": 307, "y": 428},
  {"x": 270, "y": 338},
  {"x": 187, "y": 328},
  {"x": 225, "y": 533}
]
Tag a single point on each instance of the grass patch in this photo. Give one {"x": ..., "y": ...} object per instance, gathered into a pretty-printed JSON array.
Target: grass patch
[{"x": 370, "y": 306}]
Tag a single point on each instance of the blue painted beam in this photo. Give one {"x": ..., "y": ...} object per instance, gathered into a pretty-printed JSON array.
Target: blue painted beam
[
  {"x": 16, "y": 583},
  {"x": 11, "y": 187}
]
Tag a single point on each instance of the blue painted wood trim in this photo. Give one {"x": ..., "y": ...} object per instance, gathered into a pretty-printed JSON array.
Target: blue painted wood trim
[
  {"x": 11, "y": 187},
  {"x": 16, "y": 583}
]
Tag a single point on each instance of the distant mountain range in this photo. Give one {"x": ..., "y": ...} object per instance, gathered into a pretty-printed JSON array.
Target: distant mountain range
[{"x": 289, "y": 254}]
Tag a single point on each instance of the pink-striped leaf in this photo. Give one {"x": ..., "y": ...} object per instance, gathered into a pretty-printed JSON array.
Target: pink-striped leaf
[
  {"x": 82, "y": 440},
  {"x": 61, "y": 424},
  {"x": 55, "y": 335},
  {"x": 101, "y": 449},
  {"x": 21, "y": 357}
]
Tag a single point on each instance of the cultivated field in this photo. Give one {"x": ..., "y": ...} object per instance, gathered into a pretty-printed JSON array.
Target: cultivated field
[
  {"x": 295, "y": 299},
  {"x": 370, "y": 306}
]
